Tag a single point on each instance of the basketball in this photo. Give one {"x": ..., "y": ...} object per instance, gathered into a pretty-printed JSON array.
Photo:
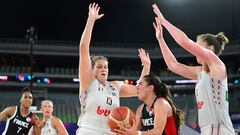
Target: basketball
[{"x": 121, "y": 115}]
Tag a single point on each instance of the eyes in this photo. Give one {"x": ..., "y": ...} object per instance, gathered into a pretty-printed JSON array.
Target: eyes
[
  {"x": 47, "y": 106},
  {"x": 26, "y": 97},
  {"x": 105, "y": 67}
]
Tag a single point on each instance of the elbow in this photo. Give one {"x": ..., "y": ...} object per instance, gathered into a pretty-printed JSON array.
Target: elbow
[{"x": 158, "y": 132}]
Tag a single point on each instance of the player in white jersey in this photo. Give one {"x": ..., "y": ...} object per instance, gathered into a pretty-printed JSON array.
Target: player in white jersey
[
  {"x": 211, "y": 90},
  {"x": 97, "y": 95},
  {"x": 51, "y": 125}
]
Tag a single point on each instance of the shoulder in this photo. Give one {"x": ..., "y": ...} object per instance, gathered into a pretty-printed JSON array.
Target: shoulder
[
  {"x": 162, "y": 103},
  {"x": 10, "y": 110},
  {"x": 56, "y": 121}
]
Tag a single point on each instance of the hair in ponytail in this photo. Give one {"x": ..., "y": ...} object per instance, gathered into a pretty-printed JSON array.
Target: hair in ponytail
[{"x": 218, "y": 41}]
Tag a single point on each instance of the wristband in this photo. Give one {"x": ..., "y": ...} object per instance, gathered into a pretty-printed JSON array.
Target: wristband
[{"x": 139, "y": 133}]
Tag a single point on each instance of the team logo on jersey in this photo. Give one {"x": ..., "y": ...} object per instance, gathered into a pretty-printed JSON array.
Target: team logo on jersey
[
  {"x": 109, "y": 101},
  {"x": 28, "y": 119},
  {"x": 102, "y": 111},
  {"x": 200, "y": 104},
  {"x": 151, "y": 112}
]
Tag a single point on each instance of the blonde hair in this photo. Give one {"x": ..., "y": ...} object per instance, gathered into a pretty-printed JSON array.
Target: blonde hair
[
  {"x": 94, "y": 59},
  {"x": 46, "y": 101}
]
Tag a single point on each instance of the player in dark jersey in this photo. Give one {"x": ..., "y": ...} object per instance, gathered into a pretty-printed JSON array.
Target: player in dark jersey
[
  {"x": 158, "y": 114},
  {"x": 19, "y": 118}
]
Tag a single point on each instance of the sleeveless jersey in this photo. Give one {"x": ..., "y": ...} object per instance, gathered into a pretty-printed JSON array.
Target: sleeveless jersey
[
  {"x": 147, "y": 121},
  {"x": 96, "y": 105},
  {"x": 212, "y": 101},
  {"x": 17, "y": 124},
  {"x": 47, "y": 128}
]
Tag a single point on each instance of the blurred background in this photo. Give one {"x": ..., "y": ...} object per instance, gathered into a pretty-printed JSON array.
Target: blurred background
[{"x": 46, "y": 59}]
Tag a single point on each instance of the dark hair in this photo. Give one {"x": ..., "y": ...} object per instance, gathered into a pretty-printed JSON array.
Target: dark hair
[
  {"x": 218, "y": 41},
  {"x": 94, "y": 59},
  {"x": 26, "y": 89},
  {"x": 161, "y": 90}
]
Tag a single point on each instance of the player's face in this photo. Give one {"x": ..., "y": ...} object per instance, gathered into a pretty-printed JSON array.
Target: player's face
[
  {"x": 142, "y": 89},
  {"x": 47, "y": 109},
  {"x": 26, "y": 100},
  {"x": 100, "y": 70}
]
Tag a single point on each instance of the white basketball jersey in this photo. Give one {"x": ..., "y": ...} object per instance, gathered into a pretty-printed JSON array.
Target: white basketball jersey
[
  {"x": 96, "y": 105},
  {"x": 47, "y": 128},
  {"x": 212, "y": 101}
]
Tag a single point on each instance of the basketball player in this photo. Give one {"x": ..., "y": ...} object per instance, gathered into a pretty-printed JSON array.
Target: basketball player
[
  {"x": 50, "y": 124},
  {"x": 212, "y": 87},
  {"x": 19, "y": 118},
  {"x": 158, "y": 114},
  {"x": 97, "y": 95}
]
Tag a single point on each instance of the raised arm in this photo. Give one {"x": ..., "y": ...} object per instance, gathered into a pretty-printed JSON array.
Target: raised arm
[
  {"x": 170, "y": 60},
  {"x": 146, "y": 62},
  {"x": 217, "y": 68},
  {"x": 85, "y": 69},
  {"x": 127, "y": 90}
]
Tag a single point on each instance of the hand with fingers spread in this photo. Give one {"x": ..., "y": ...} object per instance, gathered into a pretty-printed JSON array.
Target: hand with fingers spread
[
  {"x": 94, "y": 11},
  {"x": 144, "y": 56},
  {"x": 158, "y": 13}
]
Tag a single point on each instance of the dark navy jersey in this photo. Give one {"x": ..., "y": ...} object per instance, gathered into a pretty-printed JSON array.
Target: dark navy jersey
[
  {"x": 147, "y": 117},
  {"x": 147, "y": 121},
  {"x": 17, "y": 124}
]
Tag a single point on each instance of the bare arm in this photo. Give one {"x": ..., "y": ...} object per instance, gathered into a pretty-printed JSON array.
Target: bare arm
[
  {"x": 85, "y": 69},
  {"x": 146, "y": 62},
  {"x": 127, "y": 90},
  {"x": 138, "y": 117},
  {"x": 57, "y": 123},
  {"x": 161, "y": 109},
  {"x": 216, "y": 66},
  {"x": 7, "y": 113},
  {"x": 170, "y": 60}
]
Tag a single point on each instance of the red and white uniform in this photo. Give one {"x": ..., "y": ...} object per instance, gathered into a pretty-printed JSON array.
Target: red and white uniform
[
  {"x": 212, "y": 103},
  {"x": 96, "y": 105}
]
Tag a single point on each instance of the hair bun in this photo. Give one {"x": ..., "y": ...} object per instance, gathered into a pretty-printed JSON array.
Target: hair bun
[{"x": 222, "y": 39}]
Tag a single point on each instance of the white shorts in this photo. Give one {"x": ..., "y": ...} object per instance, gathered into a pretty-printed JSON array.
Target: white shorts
[{"x": 218, "y": 129}]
